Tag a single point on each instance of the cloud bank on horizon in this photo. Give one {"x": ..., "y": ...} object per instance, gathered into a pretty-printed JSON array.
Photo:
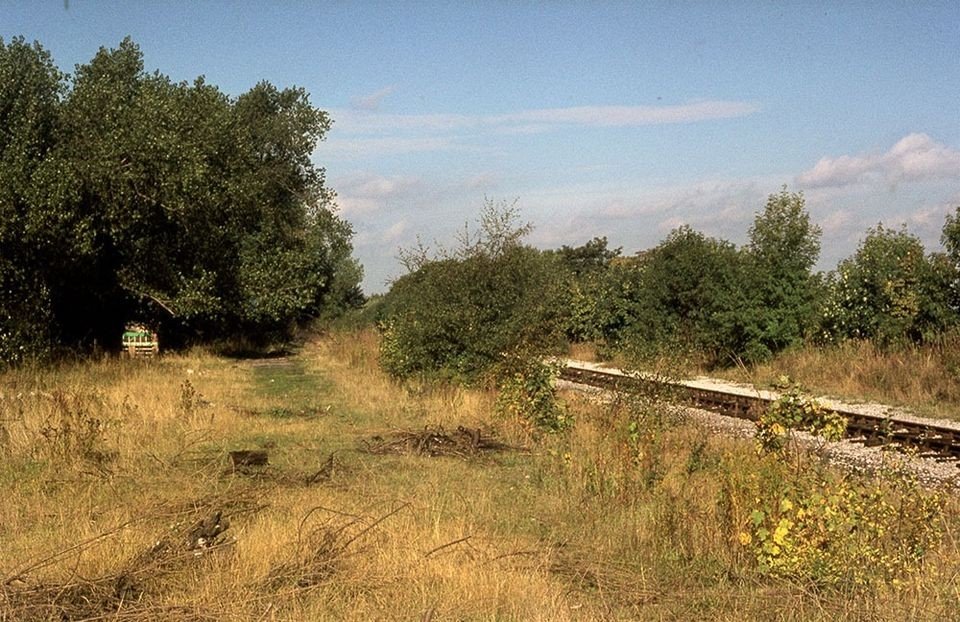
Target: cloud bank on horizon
[{"x": 915, "y": 157}]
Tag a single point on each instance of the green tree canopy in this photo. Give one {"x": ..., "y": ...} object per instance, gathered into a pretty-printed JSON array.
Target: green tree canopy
[
  {"x": 172, "y": 203},
  {"x": 783, "y": 247},
  {"x": 31, "y": 88},
  {"x": 889, "y": 291}
]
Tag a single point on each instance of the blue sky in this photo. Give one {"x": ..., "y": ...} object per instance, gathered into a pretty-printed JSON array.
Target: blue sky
[{"x": 622, "y": 119}]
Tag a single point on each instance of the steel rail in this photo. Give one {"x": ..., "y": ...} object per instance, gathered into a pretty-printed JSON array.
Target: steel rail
[{"x": 927, "y": 438}]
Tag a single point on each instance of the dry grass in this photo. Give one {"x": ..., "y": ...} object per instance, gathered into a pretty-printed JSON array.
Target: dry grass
[
  {"x": 925, "y": 378},
  {"x": 115, "y": 474}
]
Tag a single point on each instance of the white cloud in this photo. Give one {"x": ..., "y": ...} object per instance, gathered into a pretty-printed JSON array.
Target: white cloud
[
  {"x": 629, "y": 116},
  {"x": 372, "y": 100},
  {"x": 394, "y": 232},
  {"x": 369, "y": 122},
  {"x": 362, "y": 132},
  {"x": 915, "y": 157},
  {"x": 537, "y": 120},
  {"x": 836, "y": 222},
  {"x": 356, "y": 148},
  {"x": 363, "y": 193}
]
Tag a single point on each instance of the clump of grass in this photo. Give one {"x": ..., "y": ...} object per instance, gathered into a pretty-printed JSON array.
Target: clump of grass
[
  {"x": 924, "y": 377},
  {"x": 321, "y": 549}
]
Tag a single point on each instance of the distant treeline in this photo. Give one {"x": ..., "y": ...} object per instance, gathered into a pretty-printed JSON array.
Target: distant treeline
[
  {"x": 464, "y": 312},
  {"x": 127, "y": 196}
]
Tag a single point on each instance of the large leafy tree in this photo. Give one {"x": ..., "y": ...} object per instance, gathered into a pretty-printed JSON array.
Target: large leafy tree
[
  {"x": 888, "y": 291},
  {"x": 783, "y": 247},
  {"x": 30, "y": 94},
  {"x": 169, "y": 202}
]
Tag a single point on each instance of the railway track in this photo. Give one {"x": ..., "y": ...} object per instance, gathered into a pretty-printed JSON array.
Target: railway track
[{"x": 929, "y": 439}]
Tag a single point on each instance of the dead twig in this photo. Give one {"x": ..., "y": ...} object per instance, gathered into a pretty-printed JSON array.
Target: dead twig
[{"x": 447, "y": 545}]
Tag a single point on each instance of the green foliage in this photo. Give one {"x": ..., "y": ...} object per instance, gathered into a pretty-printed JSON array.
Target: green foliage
[
  {"x": 601, "y": 305},
  {"x": 587, "y": 272},
  {"x": 836, "y": 534},
  {"x": 527, "y": 394},
  {"x": 589, "y": 259},
  {"x": 951, "y": 242},
  {"x": 951, "y": 236},
  {"x": 30, "y": 92},
  {"x": 781, "y": 290},
  {"x": 461, "y": 314},
  {"x": 687, "y": 285},
  {"x": 126, "y": 195},
  {"x": 794, "y": 410},
  {"x": 700, "y": 294},
  {"x": 845, "y": 534},
  {"x": 889, "y": 291},
  {"x": 703, "y": 296}
]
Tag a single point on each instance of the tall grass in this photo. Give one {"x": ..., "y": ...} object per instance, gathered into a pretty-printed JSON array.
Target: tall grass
[
  {"x": 924, "y": 377},
  {"x": 108, "y": 466}
]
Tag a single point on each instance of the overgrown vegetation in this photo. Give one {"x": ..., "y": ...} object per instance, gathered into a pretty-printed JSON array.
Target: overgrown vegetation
[
  {"x": 462, "y": 312},
  {"x": 471, "y": 312},
  {"x": 419, "y": 501},
  {"x": 795, "y": 410},
  {"x": 890, "y": 292},
  {"x": 844, "y": 534},
  {"x": 127, "y": 196},
  {"x": 696, "y": 294}
]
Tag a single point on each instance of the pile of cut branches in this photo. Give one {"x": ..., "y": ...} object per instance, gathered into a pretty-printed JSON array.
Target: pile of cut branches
[{"x": 434, "y": 441}]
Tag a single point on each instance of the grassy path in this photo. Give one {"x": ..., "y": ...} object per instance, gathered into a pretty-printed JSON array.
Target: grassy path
[{"x": 123, "y": 503}]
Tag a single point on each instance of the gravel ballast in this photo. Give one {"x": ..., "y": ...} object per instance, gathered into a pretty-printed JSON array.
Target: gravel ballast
[{"x": 849, "y": 455}]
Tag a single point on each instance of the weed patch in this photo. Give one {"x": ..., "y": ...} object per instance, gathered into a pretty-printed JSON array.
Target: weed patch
[
  {"x": 75, "y": 428},
  {"x": 844, "y": 534}
]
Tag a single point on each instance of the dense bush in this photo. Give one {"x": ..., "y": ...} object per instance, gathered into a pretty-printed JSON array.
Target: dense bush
[
  {"x": 889, "y": 291},
  {"x": 465, "y": 311},
  {"x": 687, "y": 285},
  {"x": 951, "y": 242},
  {"x": 702, "y": 296},
  {"x": 586, "y": 271}
]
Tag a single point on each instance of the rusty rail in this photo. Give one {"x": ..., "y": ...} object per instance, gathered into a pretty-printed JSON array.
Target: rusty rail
[{"x": 927, "y": 438}]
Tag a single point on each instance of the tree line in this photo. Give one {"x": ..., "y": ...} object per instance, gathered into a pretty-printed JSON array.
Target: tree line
[
  {"x": 127, "y": 196},
  {"x": 464, "y": 312}
]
